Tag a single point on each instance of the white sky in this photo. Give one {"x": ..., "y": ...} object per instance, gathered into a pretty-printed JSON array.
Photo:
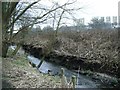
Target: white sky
[
  {"x": 102, "y": 8},
  {"x": 93, "y": 8}
]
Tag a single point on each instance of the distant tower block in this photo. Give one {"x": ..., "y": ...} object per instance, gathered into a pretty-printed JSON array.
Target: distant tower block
[
  {"x": 108, "y": 19},
  {"x": 114, "y": 19},
  {"x": 119, "y": 13},
  {"x": 119, "y": 20},
  {"x": 82, "y": 21},
  {"x": 102, "y": 18}
]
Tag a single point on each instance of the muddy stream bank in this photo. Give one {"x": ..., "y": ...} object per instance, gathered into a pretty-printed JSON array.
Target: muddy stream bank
[{"x": 54, "y": 62}]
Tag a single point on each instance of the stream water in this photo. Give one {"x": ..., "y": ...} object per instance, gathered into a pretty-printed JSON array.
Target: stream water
[{"x": 82, "y": 81}]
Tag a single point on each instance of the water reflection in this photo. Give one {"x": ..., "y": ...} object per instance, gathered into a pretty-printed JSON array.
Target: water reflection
[{"x": 83, "y": 82}]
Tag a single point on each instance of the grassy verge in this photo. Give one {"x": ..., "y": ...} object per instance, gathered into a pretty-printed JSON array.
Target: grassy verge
[{"x": 18, "y": 73}]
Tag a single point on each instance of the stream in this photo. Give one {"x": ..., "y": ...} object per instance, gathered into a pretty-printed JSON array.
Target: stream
[{"x": 82, "y": 80}]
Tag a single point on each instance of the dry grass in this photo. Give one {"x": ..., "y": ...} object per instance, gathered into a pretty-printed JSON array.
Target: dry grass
[
  {"x": 17, "y": 75},
  {"x": 98, "y": 45}
]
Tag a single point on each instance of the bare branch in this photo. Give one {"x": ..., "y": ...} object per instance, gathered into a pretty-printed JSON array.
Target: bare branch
[
  {"x": 54, "y": 10},
  {"x": 23, "y": 28},
  {"x": 11, "y": 9},
  {"x": 23, "y": 12},
  {"x": 59, "y": 21}
]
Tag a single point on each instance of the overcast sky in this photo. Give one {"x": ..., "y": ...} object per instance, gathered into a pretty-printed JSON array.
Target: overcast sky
[
  {"x": 102, "y": 8},
  {"x": 90, "y": 8},
  {"x": 93, "y": 8}
]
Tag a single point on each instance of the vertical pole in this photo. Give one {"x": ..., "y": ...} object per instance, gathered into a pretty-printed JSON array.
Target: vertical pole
[
  {"x": 63, "y": 79},
  {"x": 119, "y": 13},
  {"x": 78, "y": 75},
  {"x": 74, "y": 81},
  {"x": 1, "y": 29},
  {"x": 118, "y": 33},
  {"x": 0, "y": 45}
]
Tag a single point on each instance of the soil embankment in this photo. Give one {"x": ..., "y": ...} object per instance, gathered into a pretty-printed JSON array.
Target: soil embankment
[
  {"x": 17, "y": 73},
  {"x": 70, "y": 61}
]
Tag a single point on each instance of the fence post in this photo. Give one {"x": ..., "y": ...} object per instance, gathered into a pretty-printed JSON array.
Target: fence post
[
  {"x": 73, "y": 81},
  {"x": 63, "y": 79}
]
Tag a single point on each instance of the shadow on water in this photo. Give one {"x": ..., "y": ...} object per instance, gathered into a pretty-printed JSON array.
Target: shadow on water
[{"x": 82, "y": 81}]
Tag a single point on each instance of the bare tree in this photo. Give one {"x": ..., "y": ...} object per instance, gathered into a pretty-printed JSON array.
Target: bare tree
[
  {"x": 8, "y": 20},
  {"x": 12, "y": 14},
  {"x": 57, "y": 18}
]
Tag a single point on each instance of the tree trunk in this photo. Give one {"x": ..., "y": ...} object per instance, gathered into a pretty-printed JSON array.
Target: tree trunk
[
  {"x": 5, "y": 46},
  {"x": 16, "y": 50}
]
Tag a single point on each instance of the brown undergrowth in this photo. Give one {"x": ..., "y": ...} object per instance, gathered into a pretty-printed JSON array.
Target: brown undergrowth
[{"x": 99, "y": 46}]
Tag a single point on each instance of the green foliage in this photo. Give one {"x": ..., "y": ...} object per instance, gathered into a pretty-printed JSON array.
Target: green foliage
[{"x": 20, "y": 61}]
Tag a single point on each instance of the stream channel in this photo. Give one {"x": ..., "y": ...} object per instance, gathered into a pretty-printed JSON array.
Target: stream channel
[{"x": 82, "y": 80}]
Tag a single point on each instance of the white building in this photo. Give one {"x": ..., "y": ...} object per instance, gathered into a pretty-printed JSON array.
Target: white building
[{"x": 108, "y": 19}]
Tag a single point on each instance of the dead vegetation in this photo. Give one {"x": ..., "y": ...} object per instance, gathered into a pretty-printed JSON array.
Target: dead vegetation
[
  {"x": 99, "y": 46},
  {"x": 17, "y": 73}
]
